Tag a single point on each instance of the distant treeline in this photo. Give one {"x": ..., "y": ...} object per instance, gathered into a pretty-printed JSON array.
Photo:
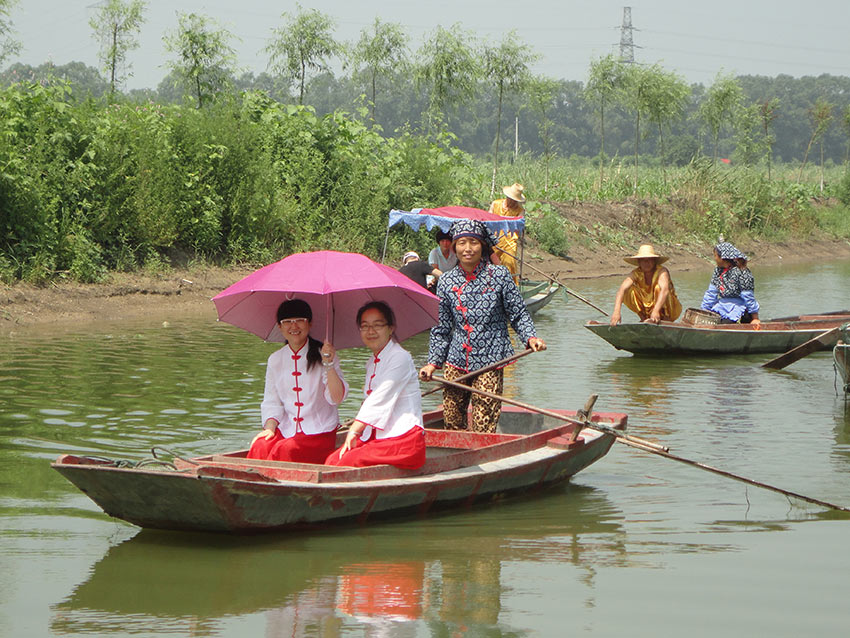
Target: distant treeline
[{"x": 571, "y": 123}]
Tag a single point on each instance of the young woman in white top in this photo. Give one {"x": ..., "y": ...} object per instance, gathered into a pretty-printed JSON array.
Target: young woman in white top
[
  {"x": 388, "y": 428},
  {"x": 304, "y": 386}
]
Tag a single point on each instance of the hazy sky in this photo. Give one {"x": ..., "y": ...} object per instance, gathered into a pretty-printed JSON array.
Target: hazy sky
[{"x": 696, "y": 40}]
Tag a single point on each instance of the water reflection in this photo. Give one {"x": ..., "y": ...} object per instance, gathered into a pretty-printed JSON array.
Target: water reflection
[{"x": 445, "y": 572}]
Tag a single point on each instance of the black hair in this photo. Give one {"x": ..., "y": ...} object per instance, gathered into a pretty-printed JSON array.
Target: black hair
[
  {"x": 381, "y": 307},
  {"x": 295, "y": 308}
]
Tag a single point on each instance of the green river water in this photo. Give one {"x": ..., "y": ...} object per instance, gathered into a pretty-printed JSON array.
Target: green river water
[{"x": 635, "y": 545}]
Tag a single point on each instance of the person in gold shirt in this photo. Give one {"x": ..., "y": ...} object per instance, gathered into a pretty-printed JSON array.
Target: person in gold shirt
[
  {"x": 648, "y": 290},
  {"x": 511, "y": 206}
]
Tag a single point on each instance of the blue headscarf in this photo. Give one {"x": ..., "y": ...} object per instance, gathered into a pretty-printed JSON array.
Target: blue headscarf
[{"x": 472, "y": 228}]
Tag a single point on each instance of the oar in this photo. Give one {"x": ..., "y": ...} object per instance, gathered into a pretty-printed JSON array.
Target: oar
[
  {"x": 555, "y": 279},
  {"x": 648, "y": 446},
  {"x": 804, "y": 349},
  {"x": 621, "y": 436},
  {"x": 499, "y": 364}
]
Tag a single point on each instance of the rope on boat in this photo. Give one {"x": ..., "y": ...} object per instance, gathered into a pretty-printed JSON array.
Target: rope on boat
[{"x": 154, "y": 460}]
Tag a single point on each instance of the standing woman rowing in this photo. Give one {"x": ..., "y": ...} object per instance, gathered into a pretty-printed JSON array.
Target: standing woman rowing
[{"x": 477, "y": 300}]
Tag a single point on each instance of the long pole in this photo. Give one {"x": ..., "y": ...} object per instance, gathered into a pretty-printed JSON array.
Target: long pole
[
  {"x": 649, "y": 446},
  {"x": 499, "y": 364},
  {"x": 555, "y": 279}
]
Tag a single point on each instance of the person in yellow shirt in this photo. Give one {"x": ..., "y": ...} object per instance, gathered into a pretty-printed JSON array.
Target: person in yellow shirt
[
  {"x": 511, "y": 206},
  {"x": 648, "y": 290}
]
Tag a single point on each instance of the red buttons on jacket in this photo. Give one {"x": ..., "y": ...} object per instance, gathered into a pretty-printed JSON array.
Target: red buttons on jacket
[
  {"x": 296, "y": 374},
  {"x": 296, "y": 389},
  {"x": 368, "y": 392},
  {"x": 296, "y": 357},
  {"x": 299, "y": 404}
]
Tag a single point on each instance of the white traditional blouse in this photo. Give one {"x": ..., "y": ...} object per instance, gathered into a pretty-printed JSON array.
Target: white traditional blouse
[
  {"x": 299, "y": 399},
  {"x": 393, "y": 403}
]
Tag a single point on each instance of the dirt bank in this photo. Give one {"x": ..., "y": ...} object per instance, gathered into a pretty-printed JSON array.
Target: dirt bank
[{"x": 593, "y": 254}]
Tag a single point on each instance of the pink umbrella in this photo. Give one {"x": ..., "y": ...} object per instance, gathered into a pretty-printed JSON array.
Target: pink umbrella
[{"x": 335, "y": 285}]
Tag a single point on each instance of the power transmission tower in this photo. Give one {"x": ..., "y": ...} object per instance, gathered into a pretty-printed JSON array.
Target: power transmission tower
[{"x": 627, "y": 45}]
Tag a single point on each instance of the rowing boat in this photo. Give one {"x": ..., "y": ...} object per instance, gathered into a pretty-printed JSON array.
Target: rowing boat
[
  {"x": 841, "y": 357},
  {"x": 771, "y": 336},
  {"x": 230, "y": 493},
  {"x": 539, "y": 295}
]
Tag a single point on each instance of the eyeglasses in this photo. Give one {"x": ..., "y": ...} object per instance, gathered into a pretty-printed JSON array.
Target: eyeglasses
[
  {"x": 292, "y": 322},
  {"x": 366, "y": 327}
]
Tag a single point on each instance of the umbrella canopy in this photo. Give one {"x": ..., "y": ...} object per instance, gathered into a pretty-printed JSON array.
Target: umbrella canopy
[
  {"x": 444, "y": 217},
  {"x": 335, "y": 285}
]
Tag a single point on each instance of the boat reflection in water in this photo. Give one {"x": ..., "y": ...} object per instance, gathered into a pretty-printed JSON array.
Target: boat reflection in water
[{"x": 444, "y": 572}]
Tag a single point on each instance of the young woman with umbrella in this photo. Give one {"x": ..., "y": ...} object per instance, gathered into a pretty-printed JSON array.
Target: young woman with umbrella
[
  {"x": 477, "y": 301},
  {"x": 304, "y": 386}
]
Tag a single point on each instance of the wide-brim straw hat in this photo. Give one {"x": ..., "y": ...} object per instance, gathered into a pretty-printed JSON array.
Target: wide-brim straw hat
[
  {"x": 643, "y": 252},
  {"x": 514, "y": 192}
]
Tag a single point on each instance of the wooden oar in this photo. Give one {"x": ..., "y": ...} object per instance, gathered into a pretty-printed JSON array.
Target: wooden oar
[
  {"x": 648, "y": 446},
  {"x": 499, "y": 364},
  {"x": 804, "y": 349},
  {"x": 621, "y": 436},
  {"x": 555, "y": 279}
]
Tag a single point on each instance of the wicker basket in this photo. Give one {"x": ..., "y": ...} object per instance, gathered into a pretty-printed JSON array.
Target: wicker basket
[{"x": 698, "y": 317}]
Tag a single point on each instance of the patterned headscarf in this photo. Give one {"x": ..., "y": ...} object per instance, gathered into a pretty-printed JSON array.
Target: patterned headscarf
[
  {"x": 728, "y": 251},
  {"x": 472, "y": 228}
]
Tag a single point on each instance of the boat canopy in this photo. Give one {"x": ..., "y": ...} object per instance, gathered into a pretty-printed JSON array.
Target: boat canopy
[{"x": 444, "y": 217}]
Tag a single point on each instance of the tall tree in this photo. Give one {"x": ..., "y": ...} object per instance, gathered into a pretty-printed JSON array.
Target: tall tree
[
  {"x": 602, "y": 88},
  {"x": 542, "y": 93},
  {"x": 205, "y": 60},
  {"x": 665, "y": 98},
  {"x": 820, "y": 116},
  {"x": 302, "y": 45},
  {"x": 635, "y": 97},
  {"x": 116, "y": 25},
  {"x": 449, "y": 68},
  {"x": 768, "y": 111},
  {"x": 845, "y": 126},
  {"x": 506, "y": 67},
  {"x": 8, "y": 45},
  {"x": 719, "y": 107},
  {"x": 380, "y": 51}
]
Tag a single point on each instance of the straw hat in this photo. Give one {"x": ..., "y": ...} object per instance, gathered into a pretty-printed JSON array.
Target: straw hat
[
  {"x": 645, "y": 251},
  {"x": 514, "y": 192}
]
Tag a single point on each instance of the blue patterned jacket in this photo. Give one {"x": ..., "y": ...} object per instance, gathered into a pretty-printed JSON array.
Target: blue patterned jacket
[{"x": 475, "y": 309}]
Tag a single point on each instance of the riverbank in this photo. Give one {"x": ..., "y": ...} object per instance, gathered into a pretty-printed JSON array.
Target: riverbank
[{"x": 187, "y": 292}]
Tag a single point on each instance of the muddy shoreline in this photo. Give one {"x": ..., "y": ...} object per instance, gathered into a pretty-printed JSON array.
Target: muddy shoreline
[{"x": 182, "y": 293}]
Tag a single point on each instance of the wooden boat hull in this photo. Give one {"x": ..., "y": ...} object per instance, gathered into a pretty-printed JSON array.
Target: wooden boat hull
[
  {"x": 773, "y": 336},
  {"x": 540, "y": 299},
  {"x": 841, "y": 357},
  {"x": 228, "y": 493}
]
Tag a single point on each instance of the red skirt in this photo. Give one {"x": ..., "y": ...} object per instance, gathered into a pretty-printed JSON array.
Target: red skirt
[
  {"x": 406, "y": 452},
  {"x": 300, "y": 448}
]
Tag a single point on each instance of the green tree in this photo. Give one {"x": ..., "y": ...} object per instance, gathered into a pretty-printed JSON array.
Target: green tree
[
  {"x": 380, "y": 51},
  {"x": 303, "y": 44},
  {"x": 8, "y": 45},
  {"x": 845, "y": 126},
  {"x": 205, "y": 60},
  {"x": 602, "y": 89},
  {"x": 749, "y": 140},
  {"x": 542, "y": 93},
  {"x": 116, "y": 25},
  {"x": 820, "y": 116},
  {"x": 449, "y": 69},
  {"x": 506, "y": 67},
  {"x": 719, "y": 107},
  {"x": 768, "y": 111},
  {"x": 665, "y": 97}
]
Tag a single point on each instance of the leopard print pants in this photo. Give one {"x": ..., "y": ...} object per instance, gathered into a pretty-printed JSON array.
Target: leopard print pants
[{"x": 485, "y": 411}]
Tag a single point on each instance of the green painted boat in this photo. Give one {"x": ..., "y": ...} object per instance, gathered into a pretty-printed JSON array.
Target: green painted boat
[
  {"x": 841, "y": 357},
  {"x": 771, "y": 336}
]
